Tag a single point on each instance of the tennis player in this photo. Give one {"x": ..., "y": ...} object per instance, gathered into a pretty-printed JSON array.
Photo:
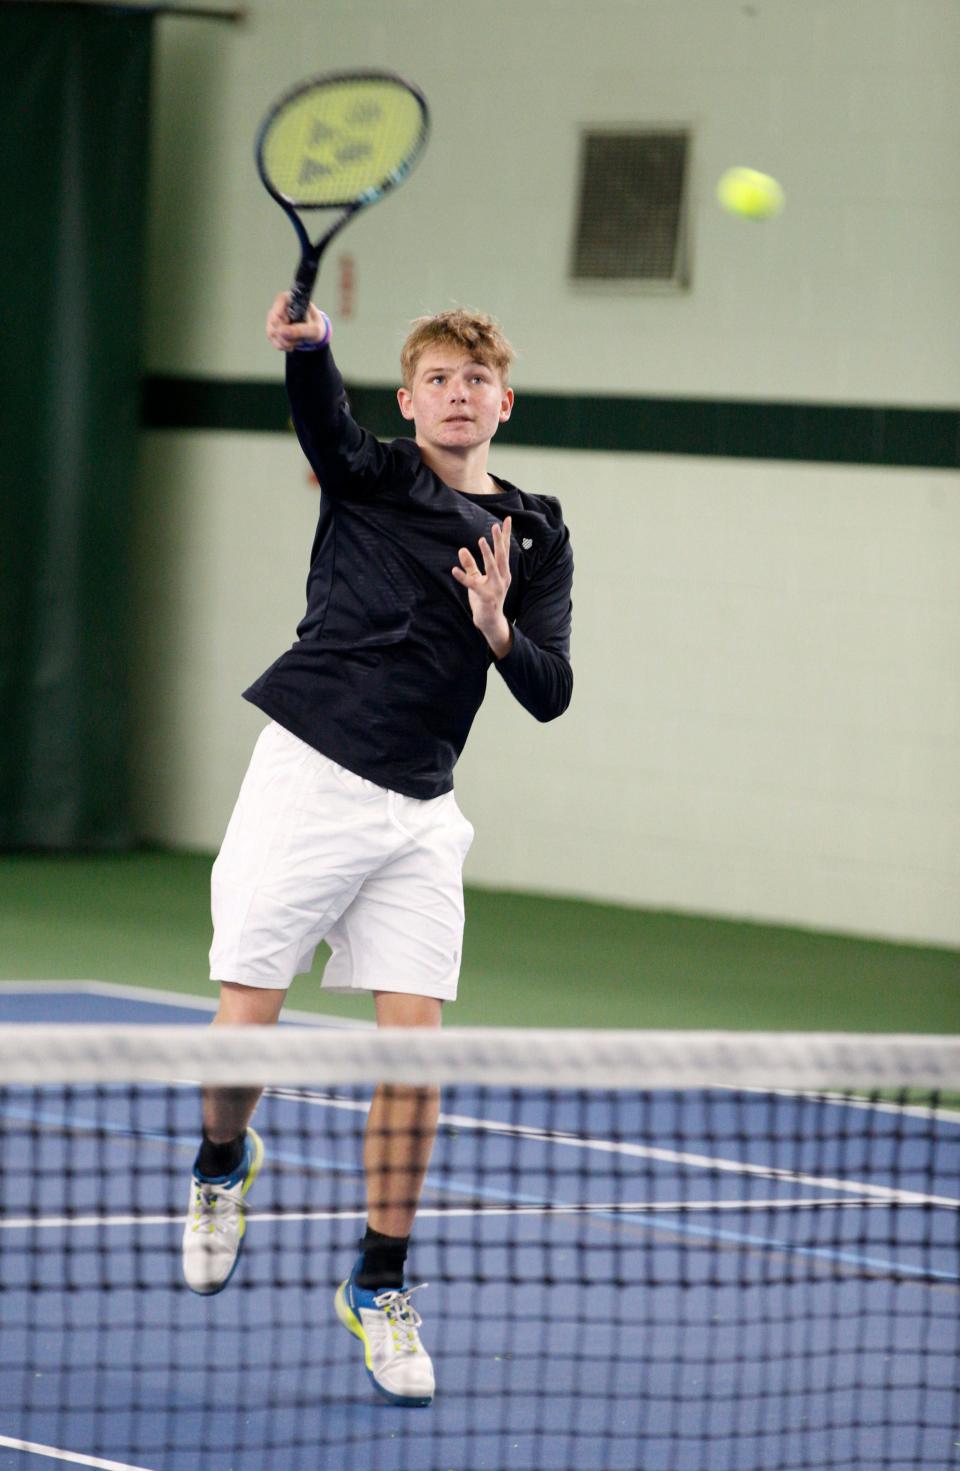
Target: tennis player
[{"x": 425, "y": 571}]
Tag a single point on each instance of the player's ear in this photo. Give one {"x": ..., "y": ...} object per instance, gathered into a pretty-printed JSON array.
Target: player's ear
[
  {"x": 506, "y": 405},
  {"x": 405, "y": 400}
]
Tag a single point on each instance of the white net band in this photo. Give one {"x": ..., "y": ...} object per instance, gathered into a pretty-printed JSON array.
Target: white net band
[{"x": 308, "y": 1055}]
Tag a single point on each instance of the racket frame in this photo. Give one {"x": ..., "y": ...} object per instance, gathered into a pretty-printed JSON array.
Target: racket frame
[{"x": 311, "y": 251}]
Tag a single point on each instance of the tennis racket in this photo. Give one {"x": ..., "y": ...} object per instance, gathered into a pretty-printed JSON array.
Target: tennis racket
[{"x": 338, "y": 142}]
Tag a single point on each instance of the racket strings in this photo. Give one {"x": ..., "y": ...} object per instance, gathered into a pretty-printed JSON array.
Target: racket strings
[{"x": 337, "y": 141}]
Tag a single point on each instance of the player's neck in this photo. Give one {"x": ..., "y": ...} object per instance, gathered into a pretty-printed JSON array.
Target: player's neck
[{"x": 462, "y": 470}]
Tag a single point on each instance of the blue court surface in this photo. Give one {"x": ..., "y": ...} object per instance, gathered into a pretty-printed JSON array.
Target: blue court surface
[{"x": 695, "y": 1283}]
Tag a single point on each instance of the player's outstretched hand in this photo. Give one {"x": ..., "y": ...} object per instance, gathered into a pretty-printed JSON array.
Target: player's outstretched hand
[
  {"x": 487, "y": 590},
  {"x": 286, "y": 335}
]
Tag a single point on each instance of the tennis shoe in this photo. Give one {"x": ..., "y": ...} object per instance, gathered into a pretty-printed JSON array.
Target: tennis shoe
[
  {"x": 385, "y": 1323},
  {"x": 216, "y": 1221}
]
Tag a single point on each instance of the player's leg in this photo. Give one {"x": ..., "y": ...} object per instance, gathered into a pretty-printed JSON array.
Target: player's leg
[
  {"x": 403, "y": 931},
  {"x": 293, "y": 858},
  {"x": 401, "y": 1128},
  {"x": 374, "y": 1303},
  {"x": 228, "y": 1111},
  {"x": 229, "y": 1158}
]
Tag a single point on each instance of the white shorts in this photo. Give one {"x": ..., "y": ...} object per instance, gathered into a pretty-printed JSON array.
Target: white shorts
[{"x": 314, "y": 852}]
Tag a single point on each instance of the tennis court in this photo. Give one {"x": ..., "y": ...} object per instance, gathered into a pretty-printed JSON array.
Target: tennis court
[
  {"x": 673, "y": 1280},
  {"x": 482, "y": 532}
]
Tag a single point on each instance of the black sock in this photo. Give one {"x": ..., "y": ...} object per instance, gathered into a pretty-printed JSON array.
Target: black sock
[
  {"x": 216, "y": 1160},
  {"x": 383, "y": 1259}
]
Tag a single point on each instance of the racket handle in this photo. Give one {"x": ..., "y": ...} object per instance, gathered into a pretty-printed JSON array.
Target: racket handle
[{"x": 301, "y": 291}]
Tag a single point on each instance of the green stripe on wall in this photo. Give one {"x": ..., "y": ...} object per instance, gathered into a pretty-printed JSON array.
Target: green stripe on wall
[{"x": 839, "y": 433}]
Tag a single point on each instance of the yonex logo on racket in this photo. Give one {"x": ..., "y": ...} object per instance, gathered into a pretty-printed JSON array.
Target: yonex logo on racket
[
  {"x": 367, "y": 112},
  {"x": 311, "y": 169},
  {"x": 350, "y": 152}
]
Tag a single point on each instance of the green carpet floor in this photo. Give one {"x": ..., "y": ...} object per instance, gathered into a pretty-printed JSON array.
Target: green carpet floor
[{"x": 143, "y": 919}]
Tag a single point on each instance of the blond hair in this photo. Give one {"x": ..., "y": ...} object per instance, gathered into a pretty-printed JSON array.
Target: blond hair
[{"x": 476, "y": 333}]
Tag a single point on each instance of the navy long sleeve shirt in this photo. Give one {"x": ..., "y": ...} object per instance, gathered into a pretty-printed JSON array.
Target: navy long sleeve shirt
[{"x": 388, "y": 671}]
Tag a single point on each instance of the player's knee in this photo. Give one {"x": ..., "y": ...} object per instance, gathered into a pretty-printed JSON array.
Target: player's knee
[
  {"x": 398, "y": 1009},
  {"x": 248, "y": 1005}
]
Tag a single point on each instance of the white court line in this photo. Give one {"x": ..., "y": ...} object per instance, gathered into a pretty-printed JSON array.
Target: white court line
[
  {"x": 886, "y": 1193},
  {"x": 685, "y": 1159},
  {"x": 573, "y": 1208},
  {"x": 621, "y": 1211},
  {"x": 876, "y": 1105},
  {"x": 33, "y": 1448}
]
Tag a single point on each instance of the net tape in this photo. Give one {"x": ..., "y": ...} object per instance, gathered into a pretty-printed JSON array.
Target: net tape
[{"x": 303, "y": 1055}]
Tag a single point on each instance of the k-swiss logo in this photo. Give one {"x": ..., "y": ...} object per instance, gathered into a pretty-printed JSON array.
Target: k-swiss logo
[{"x": 527, "y": 543}]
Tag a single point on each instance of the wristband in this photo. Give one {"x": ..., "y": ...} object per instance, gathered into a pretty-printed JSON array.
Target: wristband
[{"x": 312, "y": 346}]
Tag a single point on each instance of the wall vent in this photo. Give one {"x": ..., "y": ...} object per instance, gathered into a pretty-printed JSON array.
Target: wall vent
[{"x": 630, "y": 225}]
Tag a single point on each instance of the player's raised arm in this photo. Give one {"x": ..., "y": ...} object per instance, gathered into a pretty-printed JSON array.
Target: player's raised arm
[{"x": 348, "y": 461}]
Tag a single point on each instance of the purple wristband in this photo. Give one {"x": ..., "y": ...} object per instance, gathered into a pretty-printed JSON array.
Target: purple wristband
[{"x": 312, "y": 346}]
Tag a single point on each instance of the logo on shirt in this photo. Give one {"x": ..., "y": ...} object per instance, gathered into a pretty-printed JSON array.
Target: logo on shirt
[{"x": 527, "y": 543}]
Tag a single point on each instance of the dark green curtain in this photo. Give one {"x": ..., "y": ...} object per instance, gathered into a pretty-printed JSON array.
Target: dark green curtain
[{"x": 74, "y": 110}]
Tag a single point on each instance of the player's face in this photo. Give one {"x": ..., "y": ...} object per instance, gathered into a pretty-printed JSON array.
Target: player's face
[{"x": 455, "y": 402}]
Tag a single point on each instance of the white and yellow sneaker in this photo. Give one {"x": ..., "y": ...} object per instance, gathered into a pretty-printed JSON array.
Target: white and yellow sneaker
[
  {"x": 386, "y": 1325},
  {"x": 216, "y": 1221}
]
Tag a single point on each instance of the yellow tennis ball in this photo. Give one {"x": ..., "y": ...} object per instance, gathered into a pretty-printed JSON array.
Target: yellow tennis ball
[{"x": 749, "y": 193}]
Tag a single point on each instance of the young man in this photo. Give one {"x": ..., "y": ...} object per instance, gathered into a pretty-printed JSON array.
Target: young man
[{"x": 425, "y": 570}]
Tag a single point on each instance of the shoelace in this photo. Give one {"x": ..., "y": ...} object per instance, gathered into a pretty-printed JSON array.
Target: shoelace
[
  {"x": 403, "y": 1319},
  {"x": 207, "y": 1207}
]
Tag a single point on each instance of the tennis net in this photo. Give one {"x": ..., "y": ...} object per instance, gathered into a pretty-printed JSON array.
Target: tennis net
[{"x": 645, "y": 1252}]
